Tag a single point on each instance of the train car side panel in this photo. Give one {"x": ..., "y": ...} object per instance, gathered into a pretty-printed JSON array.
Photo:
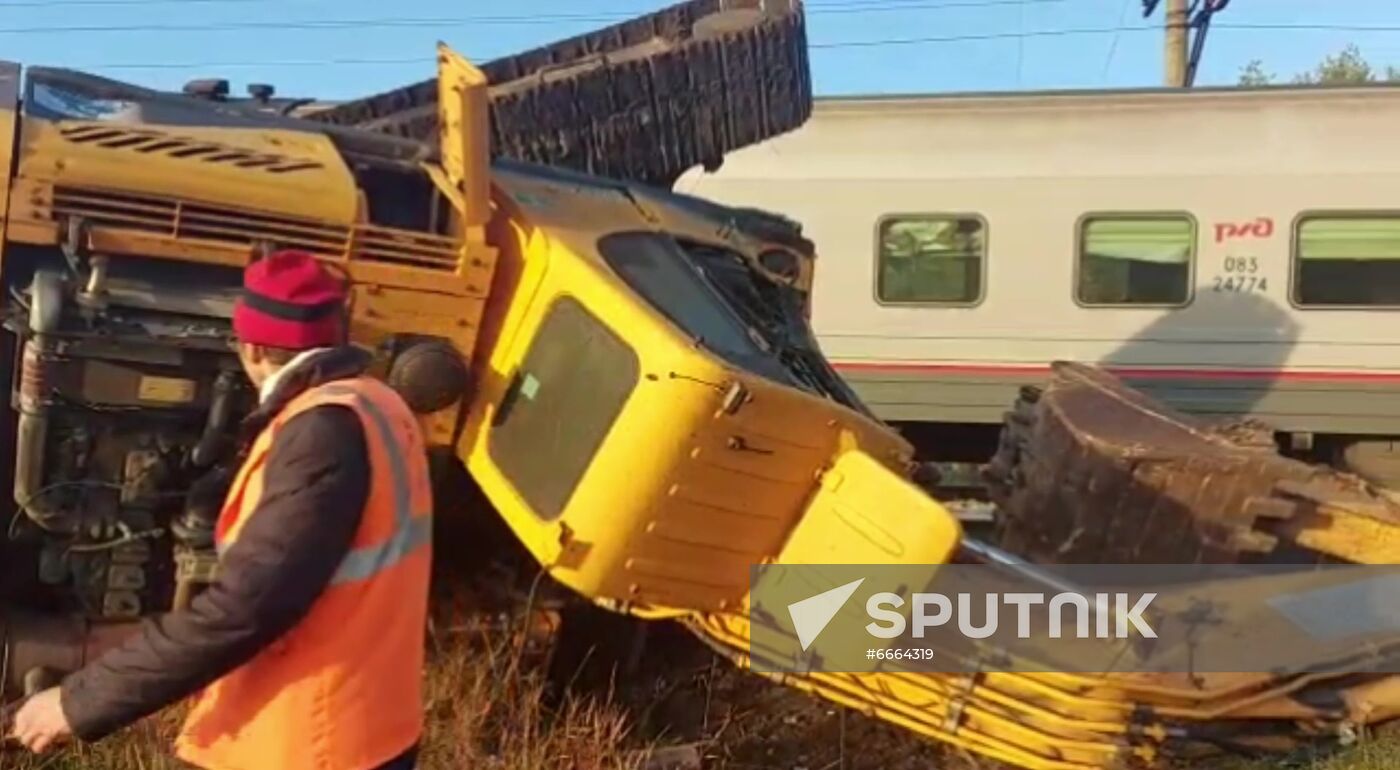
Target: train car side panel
[{"x": 1237, "y": 168}]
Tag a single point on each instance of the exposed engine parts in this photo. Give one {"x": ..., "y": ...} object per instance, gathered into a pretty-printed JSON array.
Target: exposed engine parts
[
  {"x": 126, "y": 391},
  {"x": 121, "y": 407},
  {"x": 129, "y": 398}
]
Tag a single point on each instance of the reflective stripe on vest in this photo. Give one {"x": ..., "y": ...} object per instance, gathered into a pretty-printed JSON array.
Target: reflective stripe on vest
[{"x": 410, "y": 532}]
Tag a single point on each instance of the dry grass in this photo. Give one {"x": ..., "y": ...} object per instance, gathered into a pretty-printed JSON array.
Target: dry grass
[
  {"x": 1381, "y": 753},
  {"x": 487, "y": 706},
  {"x": 490, "y": 706}
]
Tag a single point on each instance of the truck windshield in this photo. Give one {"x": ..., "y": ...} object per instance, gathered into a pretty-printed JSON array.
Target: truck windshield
[
  {"x": 717, "y": 297},
  {"x": 657, "y": 268}
]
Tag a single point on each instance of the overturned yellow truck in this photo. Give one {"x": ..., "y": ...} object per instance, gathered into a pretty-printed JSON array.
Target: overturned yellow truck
[{"x": 626, "y": 373}]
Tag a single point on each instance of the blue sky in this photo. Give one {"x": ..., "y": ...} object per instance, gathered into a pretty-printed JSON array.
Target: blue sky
[{"x": 344, "y": 48}]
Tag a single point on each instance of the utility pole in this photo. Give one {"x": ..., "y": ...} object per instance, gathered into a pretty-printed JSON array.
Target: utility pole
[
  {"x": 1176, "y": 43},
  {"x": 1180, "y": 67}
]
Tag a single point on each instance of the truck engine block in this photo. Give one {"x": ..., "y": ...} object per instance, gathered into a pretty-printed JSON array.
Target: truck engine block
[{"x": 127, "y": 397}]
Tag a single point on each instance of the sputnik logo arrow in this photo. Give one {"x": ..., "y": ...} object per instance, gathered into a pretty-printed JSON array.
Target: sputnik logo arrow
[{"x": 811, "y": 615}]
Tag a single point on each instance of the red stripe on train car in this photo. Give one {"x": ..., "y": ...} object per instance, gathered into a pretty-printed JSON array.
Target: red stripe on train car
[{"x": 1134, "y": 372}]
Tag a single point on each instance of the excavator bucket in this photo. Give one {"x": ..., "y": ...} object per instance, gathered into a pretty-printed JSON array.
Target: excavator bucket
[{"x": 1092, "y": 471}]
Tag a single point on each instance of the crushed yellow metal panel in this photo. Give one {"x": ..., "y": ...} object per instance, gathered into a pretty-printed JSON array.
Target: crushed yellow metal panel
[
  {"x": 378, "y": 312},
  {"x": 9, "y": 117},
  {"x": 124, "y": 223},
  {"x": 1046, "y": 721},
  {"x": 463, "y": 132},
  {"x": 305, "y": 176},
  {"x": 864, "y": 513},
  {"x": 1362, "y": 531},
  {"x": 463, "y": 175}
]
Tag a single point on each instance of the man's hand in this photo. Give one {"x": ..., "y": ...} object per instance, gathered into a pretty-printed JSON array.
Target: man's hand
[{"x": 40, "y": 722}]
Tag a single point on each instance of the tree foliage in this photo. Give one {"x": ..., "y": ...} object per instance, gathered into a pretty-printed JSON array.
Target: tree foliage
[
  {"x": 1345, "y": 66},
  {"x": 1253, "y": 74}
]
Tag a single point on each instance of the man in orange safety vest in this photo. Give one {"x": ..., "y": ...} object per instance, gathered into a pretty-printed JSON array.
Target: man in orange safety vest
[{"x": 307, "y": 650}]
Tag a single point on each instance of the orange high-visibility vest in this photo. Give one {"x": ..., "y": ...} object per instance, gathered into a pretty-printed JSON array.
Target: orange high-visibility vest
[{"x": 342, "y": 689}]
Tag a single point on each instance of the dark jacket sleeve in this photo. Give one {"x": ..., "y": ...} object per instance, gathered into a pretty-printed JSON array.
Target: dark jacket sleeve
[{"x": 315, "y": 487}]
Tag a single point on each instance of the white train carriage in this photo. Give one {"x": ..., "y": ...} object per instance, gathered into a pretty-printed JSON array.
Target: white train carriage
[{"x": 1235, "y": 252}]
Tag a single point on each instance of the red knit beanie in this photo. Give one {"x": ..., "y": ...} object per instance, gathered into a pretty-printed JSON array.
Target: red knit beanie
[{"x": 290, "y": 301}]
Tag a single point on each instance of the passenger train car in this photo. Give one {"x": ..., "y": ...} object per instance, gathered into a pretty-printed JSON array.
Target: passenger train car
[{"x": 1235, "y": 252}]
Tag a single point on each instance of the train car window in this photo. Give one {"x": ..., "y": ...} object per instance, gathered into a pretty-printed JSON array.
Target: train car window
[
  {"x": 1351, "y": 260},
  {"x": 1132, "y": 259},
  {"x": 931, "y": 259}
]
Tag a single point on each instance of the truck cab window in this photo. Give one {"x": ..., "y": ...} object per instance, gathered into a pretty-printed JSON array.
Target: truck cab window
[
  {"x": 1351, "y": 260},
  {"x": 932, "y": 259},
  {"x": 659, "y": 270},
  {"x": 1135, "y": 259},
  {"x": 560, "y": 405},
  {"x": 717, "y": 297}
]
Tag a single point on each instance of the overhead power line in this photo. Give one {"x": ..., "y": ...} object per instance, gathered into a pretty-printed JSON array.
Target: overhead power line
[
  {"x": 429, "y": 59},
  {"x": 620, "y": 12},
  {"x": 1089, "y": 31},
  {"x": 598, "y": 17},
  {"x": 1113, "y": 47},
  {"x": 1311, "y": 27},
  {"x": 903, "y": 5},
  {"x": 214, "y": 65},
  {"x": 966, "y": 38},
  {"x": 310, "y": 24},
  {"x": 831, "y": 45},
  {"x": 118, "y": 3},
  {"x": 457, "y": 21}
]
